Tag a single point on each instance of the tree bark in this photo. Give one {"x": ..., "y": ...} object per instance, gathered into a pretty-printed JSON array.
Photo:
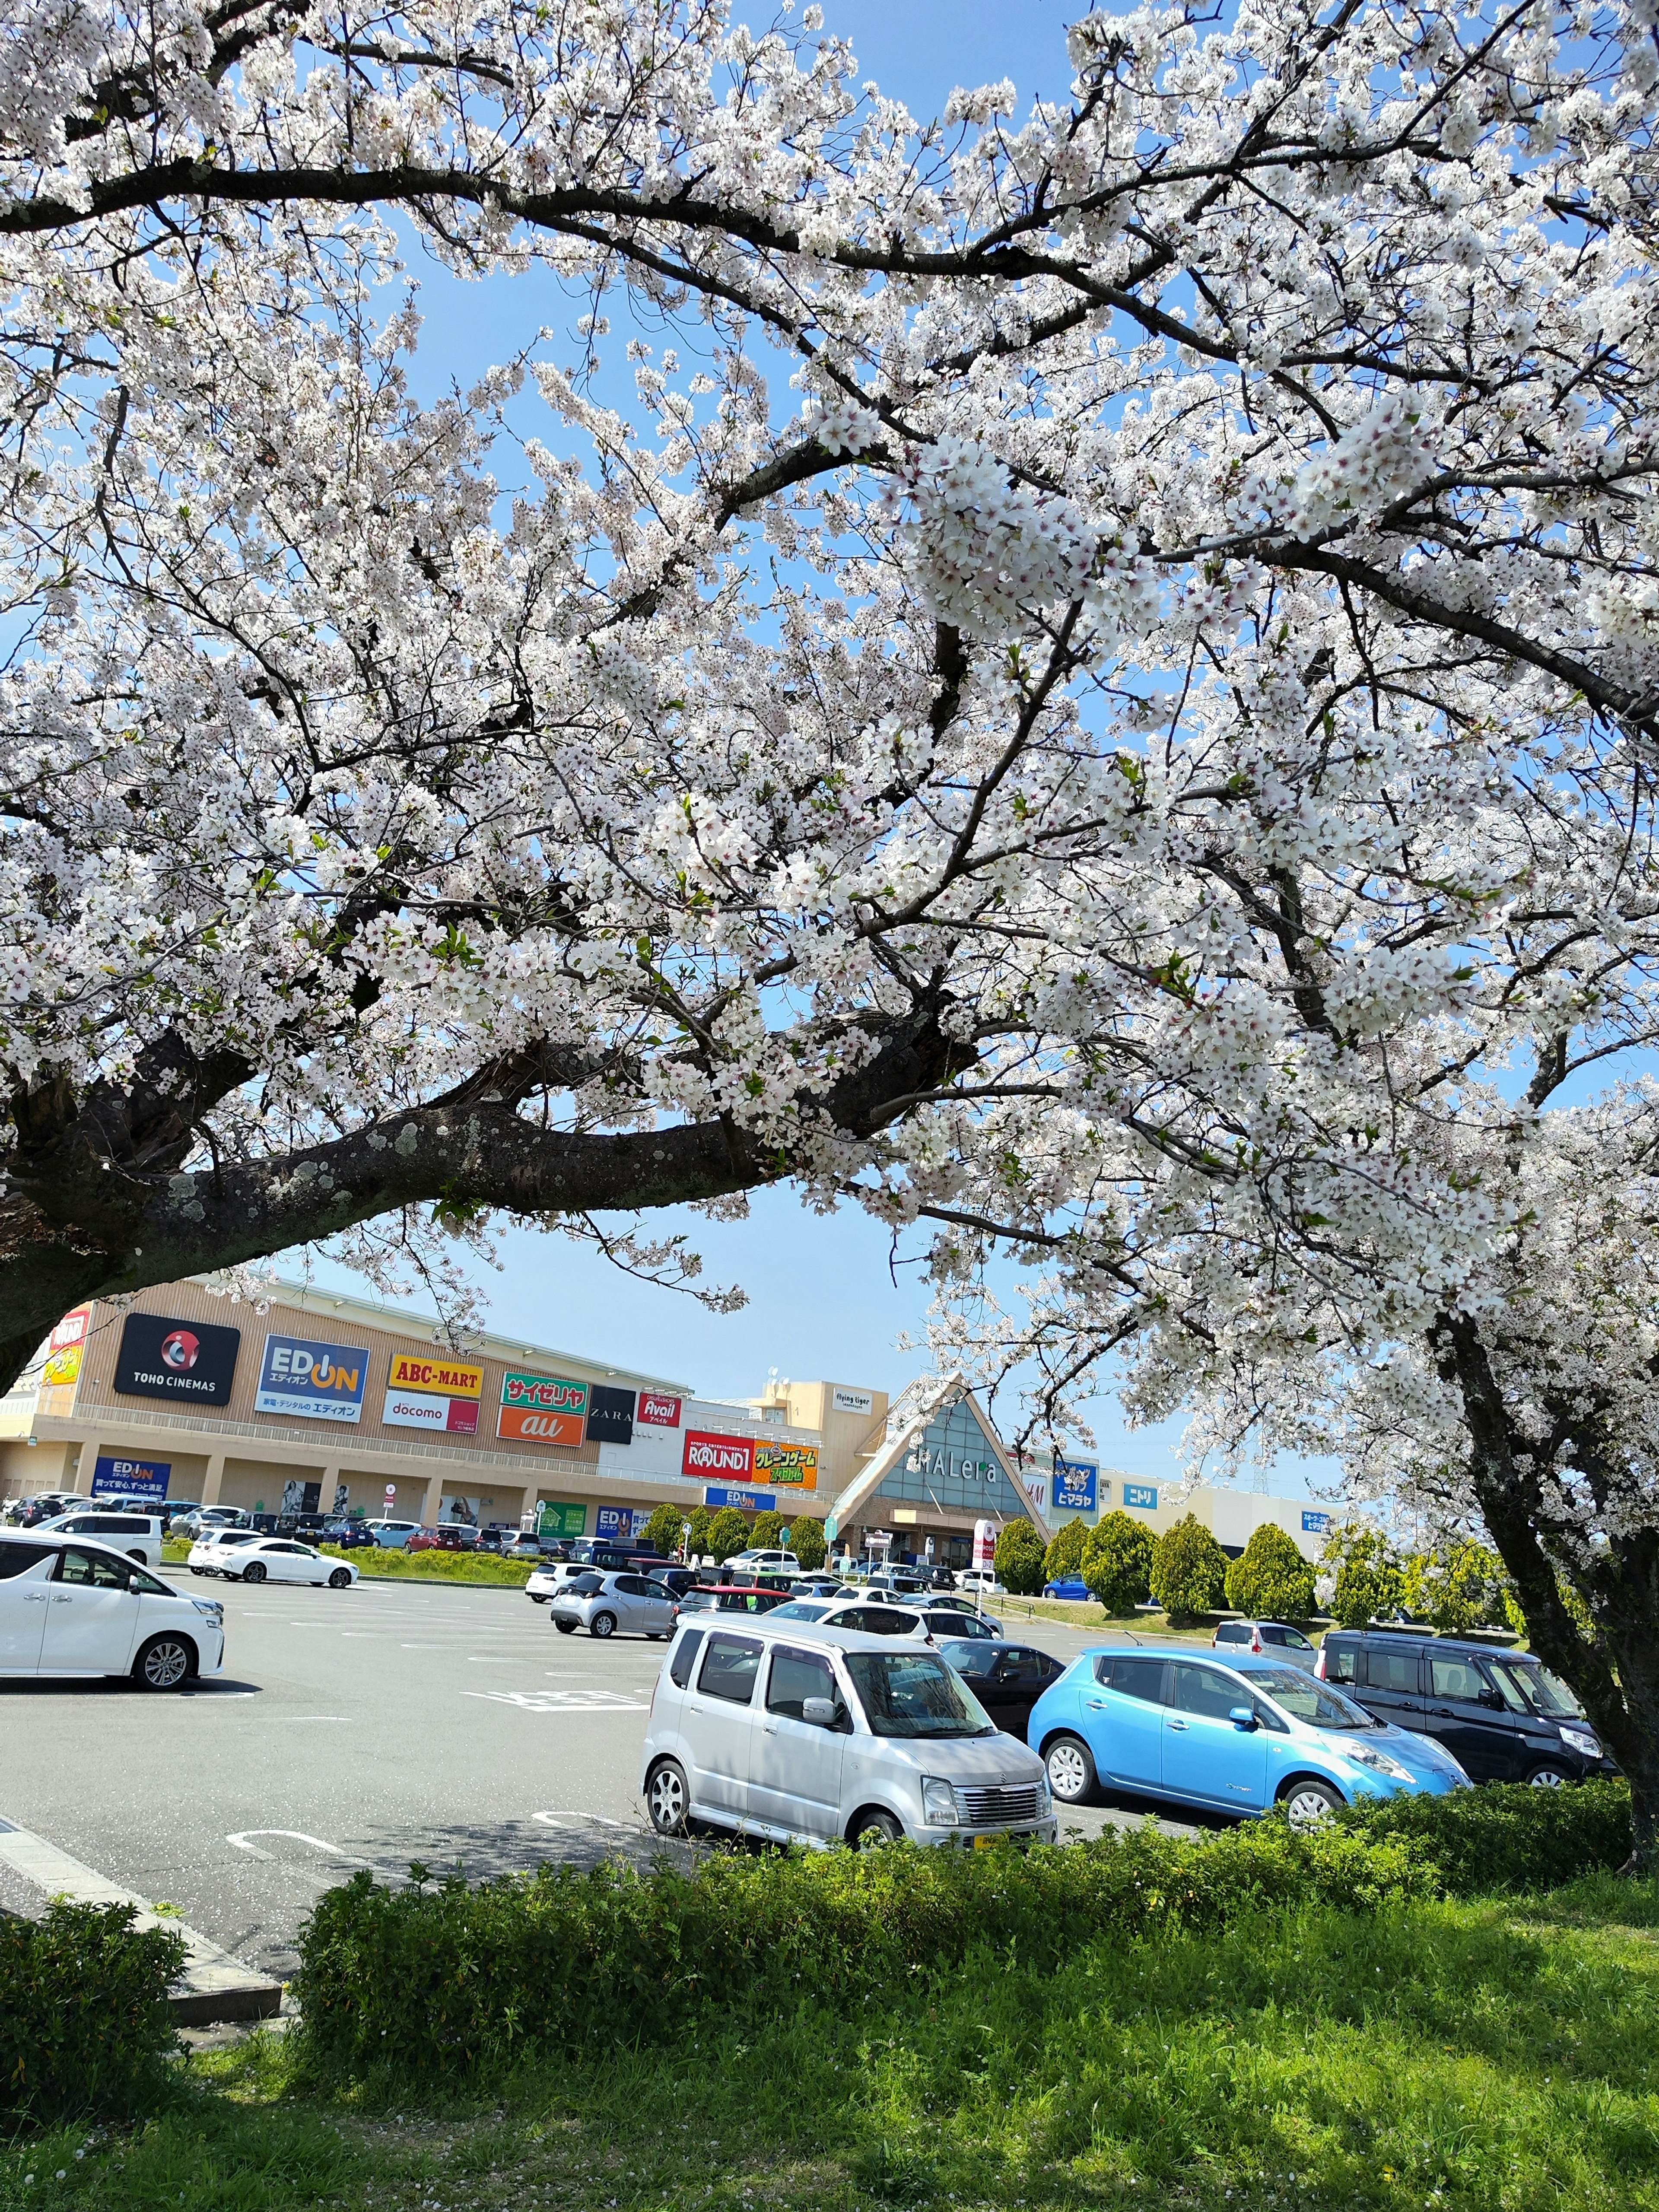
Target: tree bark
[{"x": 1617, "y": 1676}]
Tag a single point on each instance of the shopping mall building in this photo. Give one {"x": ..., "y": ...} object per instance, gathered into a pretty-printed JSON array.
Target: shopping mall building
[{"x": 317, "y": 1401}]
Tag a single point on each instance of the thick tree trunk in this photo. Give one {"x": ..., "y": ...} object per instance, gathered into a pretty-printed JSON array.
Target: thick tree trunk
[{"x": 1617, "y": 1676}]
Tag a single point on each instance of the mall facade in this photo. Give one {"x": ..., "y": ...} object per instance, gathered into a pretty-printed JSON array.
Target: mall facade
[{"x": 316, "y": 1401}]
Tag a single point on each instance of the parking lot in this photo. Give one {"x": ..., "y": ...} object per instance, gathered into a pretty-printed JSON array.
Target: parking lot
[{"x": 389, "y": 1723}]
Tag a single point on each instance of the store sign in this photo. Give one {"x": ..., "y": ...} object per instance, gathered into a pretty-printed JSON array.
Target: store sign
[
  {"x": 542, "y": 1409},
  {"x": 716, "y": 1495},
  {"x": 445, "y": 1378},
  {"x": 131, "y": 1478},
  {"x": 1316, "y": 1524},
  {"x": 706, "y": 1456},
  {"x": 852, "y": 1402},
  {"x": 314, "y": 1381},
  {"x": 609, "y": 1415},
  {"x": 1142, "y": 1495},
  {"x": 656, "y": 1411},
  {"x": 796, "y": 1465},
  {"x": 1076, "y": 1486},
  {"x": 65, "y": 1349},
  {"x": 424, "y": 1409},
  {"x": 556, "y": 1521},
  {"x": 622, "y": 1523},
  {"x": 191, "y": 1360}
]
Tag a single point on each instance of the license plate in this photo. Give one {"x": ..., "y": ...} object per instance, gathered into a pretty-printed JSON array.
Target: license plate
[{"x": 985, "y": 1843}]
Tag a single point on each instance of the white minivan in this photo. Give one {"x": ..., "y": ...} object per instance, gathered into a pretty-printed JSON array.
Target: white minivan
[
  {"x": 803, "y": 1733},
  {"x": 139, "y": 1536},
  {"x": 77, "y": 1607}
]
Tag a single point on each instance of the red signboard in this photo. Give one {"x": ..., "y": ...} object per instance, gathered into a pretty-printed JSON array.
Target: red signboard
[
  {"x": 656, "y": 1411},
  {"x": 717, "y": 1459}
]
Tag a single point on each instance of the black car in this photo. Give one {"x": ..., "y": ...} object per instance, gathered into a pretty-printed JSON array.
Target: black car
[
  {"x": 1007, "y": 1678},
  {"x": 1502, "y": 1715},
  {"x": 347, "y": 1536}
]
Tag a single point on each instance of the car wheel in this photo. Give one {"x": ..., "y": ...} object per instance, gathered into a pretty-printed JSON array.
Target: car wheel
[
  {"x": 603, "y": 1624},
  {"x": 340, "y": 1579},
  {"x": 565, "y": 1627},
  {"x": 539, "y": 1597},
  {"x": 874, "y": 1827},
  {"x": 139, "y": 1556},
  {"x": 1549, "y": 1778},
  {"x": 667, "y": 1800},
  {"x": 199, "y": 1571},
  {"x": 1309, "y": 1802},
  {"x": 1071, "y": 1774},
  {"x": 253, "y": 1572},
  {"x": 164, "y": 1664}
]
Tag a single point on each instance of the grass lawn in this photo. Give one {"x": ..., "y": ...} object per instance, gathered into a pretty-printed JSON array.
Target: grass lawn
[{"x": 1487, "y": 2057}]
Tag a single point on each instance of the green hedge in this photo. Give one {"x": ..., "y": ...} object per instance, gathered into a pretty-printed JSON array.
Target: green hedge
[
  {"x": 437, "y": 1567},
  {"x": 427, "y": 1981},
  {"x": 84, "y": 2026}
]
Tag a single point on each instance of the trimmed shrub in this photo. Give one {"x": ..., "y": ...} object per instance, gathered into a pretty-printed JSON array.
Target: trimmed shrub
[
  {"x": 1189, "y": 1570},
  {"x": 729, "y": 1532},
  {"x": 1018, "y": 1559},
  {"x": 806, "y": 1541},
  {"x": 85, "y": 2032},
  {"x": 1365, "y": 1572},
  {"x": 436, "y": 1566},
  {"x": 1272, "y": 1581},
  {"x": 1117, "y": 1562},
  {"x": 698, "y": 1546},
  {"x": 447, "y": 1981},
  {"x": 1456, "y": 1589},
  {"x": 1064, "y": 1553},
  {"x": 663, "y": 1529},
  {"x": 766, "y": 1528}
]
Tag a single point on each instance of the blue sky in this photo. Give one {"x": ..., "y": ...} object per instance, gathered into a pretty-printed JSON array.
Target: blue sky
[{"x": 823, "y": 1300}]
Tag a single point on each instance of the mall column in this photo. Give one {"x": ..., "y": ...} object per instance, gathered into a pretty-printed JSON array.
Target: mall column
[{"x": 212, "y": 1479}]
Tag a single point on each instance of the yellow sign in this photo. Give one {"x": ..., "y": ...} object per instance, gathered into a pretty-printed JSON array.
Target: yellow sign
[
  {"x": 447, "y": 1378},
  {"x": 795, "y": 1466}
]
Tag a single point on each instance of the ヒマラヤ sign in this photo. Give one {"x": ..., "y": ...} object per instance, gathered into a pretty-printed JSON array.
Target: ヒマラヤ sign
[
  {"x": 542, "y": 1409},
  {"x": 192, "y": 1360},
  {"x": 1076, "y": 1483},
  {"x": 313, "y": 1382},
  {"x": 609, "y": 1415},
  {"x": 796, "y": 1465},
  {"x": 1316, "y": 1524},
  {"x": 717, "y": 1457},
  {"x": 131, "y": 1478}
]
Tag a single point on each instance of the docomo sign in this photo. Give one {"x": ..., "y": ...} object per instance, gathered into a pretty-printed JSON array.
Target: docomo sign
[{"x": 705, "y": 1455}]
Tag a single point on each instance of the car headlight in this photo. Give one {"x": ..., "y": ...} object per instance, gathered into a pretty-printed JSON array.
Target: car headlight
[
  {"x": 1581, "y": 1740},
  {"x": 939, "y": 1802},
  {"x": 209, "y": 1606},
  {"x": 1364, "y": 1755},
  {"x": 1045, "y": 1804}
]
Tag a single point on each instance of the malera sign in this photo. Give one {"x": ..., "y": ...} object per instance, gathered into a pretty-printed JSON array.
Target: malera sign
[
  {"x": 312, "y": 1381},
  {"x": 163, "y": 1358},
  {"x": 542, "y": 1409}
]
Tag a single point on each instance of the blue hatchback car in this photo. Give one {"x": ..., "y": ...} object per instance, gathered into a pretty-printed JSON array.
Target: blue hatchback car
[{"x": 1236, "y": 1738}]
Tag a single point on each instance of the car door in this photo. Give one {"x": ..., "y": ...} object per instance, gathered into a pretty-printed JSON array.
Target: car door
[
  {"x": 794, "y": 1774},
  {"x": 1021, "y": 1675},
  {"x": 1388, "y": 1682},
  {"x": 717, "y": 1723},
  {"x": 1121, "y": 1711},
  {"x": 91, "y": 1620},
  {"x": 1206, "y": 1755},
  {"x": 1467, "y": 1714},
  {"x": 25, "y": 1600}
]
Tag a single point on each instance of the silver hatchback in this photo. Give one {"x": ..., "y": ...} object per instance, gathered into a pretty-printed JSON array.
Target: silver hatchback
[{"x": 612, "y": 1604}]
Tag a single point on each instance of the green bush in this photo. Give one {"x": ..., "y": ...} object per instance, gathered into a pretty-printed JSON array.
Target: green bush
[
  {"x": 1064, "y": 1553},
  {"x": 1367, "y": 1573},
  {"x": 729, "y": 1532},
  {"x": 1189, "y": 1570},
  {"x": 84, "y": 2026},
  {"x": 1018, "y": 1559},
  {"x": 1272, "y": 1581},
  {"x": 437, "y": 1567},
  {"x": 806, "y": 1541},
  {"x": 663, "y": 1529},
  {"x": 766, "y": 1528},
  {"x": 1455, "y": 1589},
  {"x": 1117, "y": 1562},
  {"x": 446, "y": 1981},
  {"x": 697, "y": 1544}
]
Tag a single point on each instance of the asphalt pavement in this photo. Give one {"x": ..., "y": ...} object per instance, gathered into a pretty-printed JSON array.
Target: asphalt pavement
[{"x": 382, "y": 1726}]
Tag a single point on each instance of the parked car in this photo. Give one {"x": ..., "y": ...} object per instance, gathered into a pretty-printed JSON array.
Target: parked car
[
  {"x": 174, "y": 1509},
  {"x": 894, "y": 1581},
  {"x": 551, "y": 1576},
  {"x": 213, "y": 1548},
  {"x": 938, "y": 1579},
  {"x": 393, "y": 1535},
  {"x": 676, "y": 1579},
  {"x": 201, "y": 1517},
  {"x": 608, "y": 1605},
  {"x": 1007, "y": 1678},
  {"x": 1271, "y": 1635},
  {"x": 982, "y": 1580},
  {"x": 717, "y": 1598},
  {"x": 807, "y": 1734},
  {"x": 30, "y": 1512},
  {"x": 1071, "y": 1587},
  {"x": 496, "y": 1533},
  {"x": 138, "y": 1535},
  {"x": 449, "y": 1537},
  {"x": 938, "y": 1607},
  {"x": 522, "y": 1545},
  {"x": 348, "y": 1535},
  {"x": 763, "y": 1555},
  {"x": 283, "y": 1559},
  {"x": 82, "y": 1607},
  {"x": 1239, "y": 1738},
  {"x": 820, "y": 1586},
  {"x": 1502, "y": 1715}
]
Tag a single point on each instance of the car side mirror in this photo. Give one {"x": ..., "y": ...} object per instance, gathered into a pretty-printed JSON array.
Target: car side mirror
[
  {"x": 1492, "y": 1699},
  {"x": 133, "y": 1583},
  {"x": 819, "y": 1712},
  {"x": 1243, "y": 1717}
]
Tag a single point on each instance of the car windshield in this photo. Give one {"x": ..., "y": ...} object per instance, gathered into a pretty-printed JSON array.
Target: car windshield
[
  {"x": 915, "y": 1694},
  {"x": 1306, "y": 1699},
  {"x": 798, "y": 1610},
  {"x": 1534, "y": 1689},
  {"x": 584, "y": 1585}
]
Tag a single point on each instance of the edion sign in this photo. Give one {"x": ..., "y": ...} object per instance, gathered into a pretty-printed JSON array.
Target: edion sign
[{"x": 708, "y": 1456}]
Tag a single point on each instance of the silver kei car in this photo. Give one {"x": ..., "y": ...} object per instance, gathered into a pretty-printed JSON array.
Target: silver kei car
[
  {"x": 612, "y": 1604},
  {"x": 800, "y": 1732}
]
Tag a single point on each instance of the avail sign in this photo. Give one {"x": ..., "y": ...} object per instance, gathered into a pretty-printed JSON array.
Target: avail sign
[
  {"x": 316, "y": 1381},
  {"x": 161, "y": 1358}
]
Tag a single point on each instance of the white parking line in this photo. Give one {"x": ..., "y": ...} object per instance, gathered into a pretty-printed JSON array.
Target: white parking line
[
  {"x": 562, "y": 1701},
  {"x": 597, "y": 1820}
]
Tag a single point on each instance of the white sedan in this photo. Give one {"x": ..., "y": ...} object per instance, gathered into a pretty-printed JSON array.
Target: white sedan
[
  {"x": 210, "y": 1554},
  {"x": 280, "y": 1559}
]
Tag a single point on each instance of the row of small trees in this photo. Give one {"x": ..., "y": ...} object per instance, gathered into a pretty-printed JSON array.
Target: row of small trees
[{"x": 720, "y": 1535}]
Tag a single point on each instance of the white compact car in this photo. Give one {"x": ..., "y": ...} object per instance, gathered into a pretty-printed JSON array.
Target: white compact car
[
  {"x": 81, "y": 1607},
  {"x": 137, "y": 1535},
  {"x": 280, "y": 1559},
  {"x": 803, "y": 1733},
  {"x": 551, "y": 1578},
  {"x": 212, "y": 1552}
]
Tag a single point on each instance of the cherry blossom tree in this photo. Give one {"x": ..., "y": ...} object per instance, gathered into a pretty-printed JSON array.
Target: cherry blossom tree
[{"x": 1099, "y": 694}]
